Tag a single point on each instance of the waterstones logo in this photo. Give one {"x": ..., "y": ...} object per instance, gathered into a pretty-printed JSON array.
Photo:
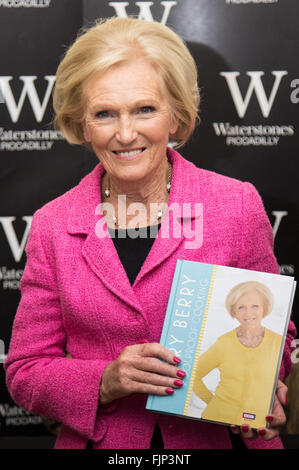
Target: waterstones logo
[
  {"x": 16, "y": 416},
  {"x": 25, "y": 3},
  {"x": 295, "y": 93},
  {"x": 245, "y": 2},
  {"x": 33, "y": 139},
  {"x": 2, "y": 352},
  {"x": 17, "y": 248},
  {"x": 28, "y": 140},
  {"x": 29, "y": 91},
  {"x": 255, "y": 86},
  {"x": 145, "y": 13},
  {"x": 1, "y": 95},
  {"x": 256, "y": 134},
  {"x": 10, "y": 278},
  {"x": 295, "y": 352},
  {"x": 279, "y": 216}
]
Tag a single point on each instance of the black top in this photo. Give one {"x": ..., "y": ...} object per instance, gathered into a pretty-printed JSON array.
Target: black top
[{"x": 133, "y": 247}]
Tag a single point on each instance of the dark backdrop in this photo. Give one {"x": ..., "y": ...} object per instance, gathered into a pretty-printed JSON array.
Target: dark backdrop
[{"x": 247, "y": 59}]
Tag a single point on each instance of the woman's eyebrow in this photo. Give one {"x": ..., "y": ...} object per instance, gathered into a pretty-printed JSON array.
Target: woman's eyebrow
[{"x": 115, "y": 105}]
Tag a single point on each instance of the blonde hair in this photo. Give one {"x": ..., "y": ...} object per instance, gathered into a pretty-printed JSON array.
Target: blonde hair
[
  {"x": 237, "y": 291},
  {"x": 115, "y": 40}
]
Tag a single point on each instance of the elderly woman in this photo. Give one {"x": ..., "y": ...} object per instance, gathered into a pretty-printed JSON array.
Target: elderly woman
[
  {"x": 244, "y": 357},
  {"x": 96, "y": 291}
]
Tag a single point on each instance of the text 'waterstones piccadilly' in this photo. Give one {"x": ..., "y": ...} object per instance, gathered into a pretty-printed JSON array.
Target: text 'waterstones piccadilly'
[{"x": 25, "y": 3}]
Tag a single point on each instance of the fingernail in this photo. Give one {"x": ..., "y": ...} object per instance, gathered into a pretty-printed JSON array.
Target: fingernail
[
  {"x": 269, "y": 418},
  {"x": 143, "y": 341},
  {"x": 177, "y": 360},
  {"x": 181, "y": 373},
  {"x": 233, "y": 427},
  {"x": 169, "y": 391},
  {"x": 245, "y": 428},
  {"x": 262, "y": 432},
  {"x": 178, "y": 383},
  {"x": 285, "y": 400}
]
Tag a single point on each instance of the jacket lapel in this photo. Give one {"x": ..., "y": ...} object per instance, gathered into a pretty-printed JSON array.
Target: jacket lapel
[{"x": 98, "y": 249}]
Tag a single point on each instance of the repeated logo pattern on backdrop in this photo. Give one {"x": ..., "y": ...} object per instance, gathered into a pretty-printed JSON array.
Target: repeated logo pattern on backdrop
[{"x": 246, "y": 51}]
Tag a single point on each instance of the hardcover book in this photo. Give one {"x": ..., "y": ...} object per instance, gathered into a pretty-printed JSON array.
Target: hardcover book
[{"x": 228, "y": 326}]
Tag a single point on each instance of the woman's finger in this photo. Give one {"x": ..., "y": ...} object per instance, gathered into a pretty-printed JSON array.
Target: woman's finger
[
  {"x": 281, "y": 392},
  {"x": 275, "y": 420},
  {"x": 247, "y": 432},
  {"x": 235, "y": 429},
  {"x": 268, "y": 434},
  {"x": 150, "y": 364},
  {"x": 148, "y": 388},
  {"x": 139, "y": 369},
  {"x": 155, "y": 379},
  {"x": 277, "y": 417},
  {"x": 150, "y": 357},
  {"x": 158, "y": 351}
]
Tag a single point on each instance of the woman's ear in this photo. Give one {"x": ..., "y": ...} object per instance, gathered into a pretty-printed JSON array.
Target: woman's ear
[{"x": 174, "y": 124}]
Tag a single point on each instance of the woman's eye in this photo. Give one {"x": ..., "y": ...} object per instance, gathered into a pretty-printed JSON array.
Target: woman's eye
[
  {"x": 146, "y": 109},
  {"x": 102, "y": 114}
]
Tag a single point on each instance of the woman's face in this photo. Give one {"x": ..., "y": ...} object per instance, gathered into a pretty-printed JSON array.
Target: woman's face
[
  {"x": 249, "y": 309},
  {"x": 128, "y": 120}
]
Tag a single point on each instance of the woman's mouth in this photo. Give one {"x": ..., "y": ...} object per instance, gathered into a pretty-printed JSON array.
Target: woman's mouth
[{"x": 128, "y": 154}]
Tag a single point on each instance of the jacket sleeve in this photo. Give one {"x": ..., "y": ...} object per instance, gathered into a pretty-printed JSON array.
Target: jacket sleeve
[
  {"x": 39, "y": 376},
  {"x": 256, "y": 253}
]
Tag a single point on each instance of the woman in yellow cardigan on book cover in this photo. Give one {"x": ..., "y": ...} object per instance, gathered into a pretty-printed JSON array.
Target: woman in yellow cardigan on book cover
[{"x": 246, "y": 358}]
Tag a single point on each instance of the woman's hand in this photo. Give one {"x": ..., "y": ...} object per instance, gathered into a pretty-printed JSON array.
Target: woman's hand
[
  {"x": 139, "y": 369},
  {"x": 275, "y": 420}
]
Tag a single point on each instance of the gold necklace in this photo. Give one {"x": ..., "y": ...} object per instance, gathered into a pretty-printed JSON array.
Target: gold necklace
[{"x": 159, "y": 214}]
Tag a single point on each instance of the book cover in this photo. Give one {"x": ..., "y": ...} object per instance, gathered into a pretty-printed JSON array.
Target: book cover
[{"x": 228, "y": 326}]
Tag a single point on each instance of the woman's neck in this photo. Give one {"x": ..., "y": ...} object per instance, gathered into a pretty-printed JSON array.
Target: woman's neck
[
  {"x": 143, "y": 198},
  {"x": 251, "y": 337},
  {"x": 152, "y": 188}
]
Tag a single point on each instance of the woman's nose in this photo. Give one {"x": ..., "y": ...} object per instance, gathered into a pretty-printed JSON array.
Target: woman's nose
[{"x": 126, "y": 132}]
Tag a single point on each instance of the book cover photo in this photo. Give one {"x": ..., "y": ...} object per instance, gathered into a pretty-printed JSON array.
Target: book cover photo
[{"x": 228, "y": 326}]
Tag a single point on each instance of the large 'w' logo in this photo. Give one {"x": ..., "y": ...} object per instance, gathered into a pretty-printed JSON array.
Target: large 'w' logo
[
  {"x": 17, "y": 248},
  {"x": 144, "y": 10},
  {"x": 256, "y": 85},
  {"x": 29, "y": 90}
]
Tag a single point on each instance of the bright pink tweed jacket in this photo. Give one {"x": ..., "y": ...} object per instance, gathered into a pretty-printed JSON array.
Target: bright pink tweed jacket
[{"x": 77, "y": 298}]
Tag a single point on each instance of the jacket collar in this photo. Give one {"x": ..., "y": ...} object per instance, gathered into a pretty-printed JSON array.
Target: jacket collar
[
  {"x": 101, "y": 254},
  {"x": 87, "y": 197}
]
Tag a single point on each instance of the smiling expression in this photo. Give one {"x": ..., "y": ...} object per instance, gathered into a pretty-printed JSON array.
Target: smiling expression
[
  {"x": 128, "y": 120},
  {"x": 249, "y": 309}
]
